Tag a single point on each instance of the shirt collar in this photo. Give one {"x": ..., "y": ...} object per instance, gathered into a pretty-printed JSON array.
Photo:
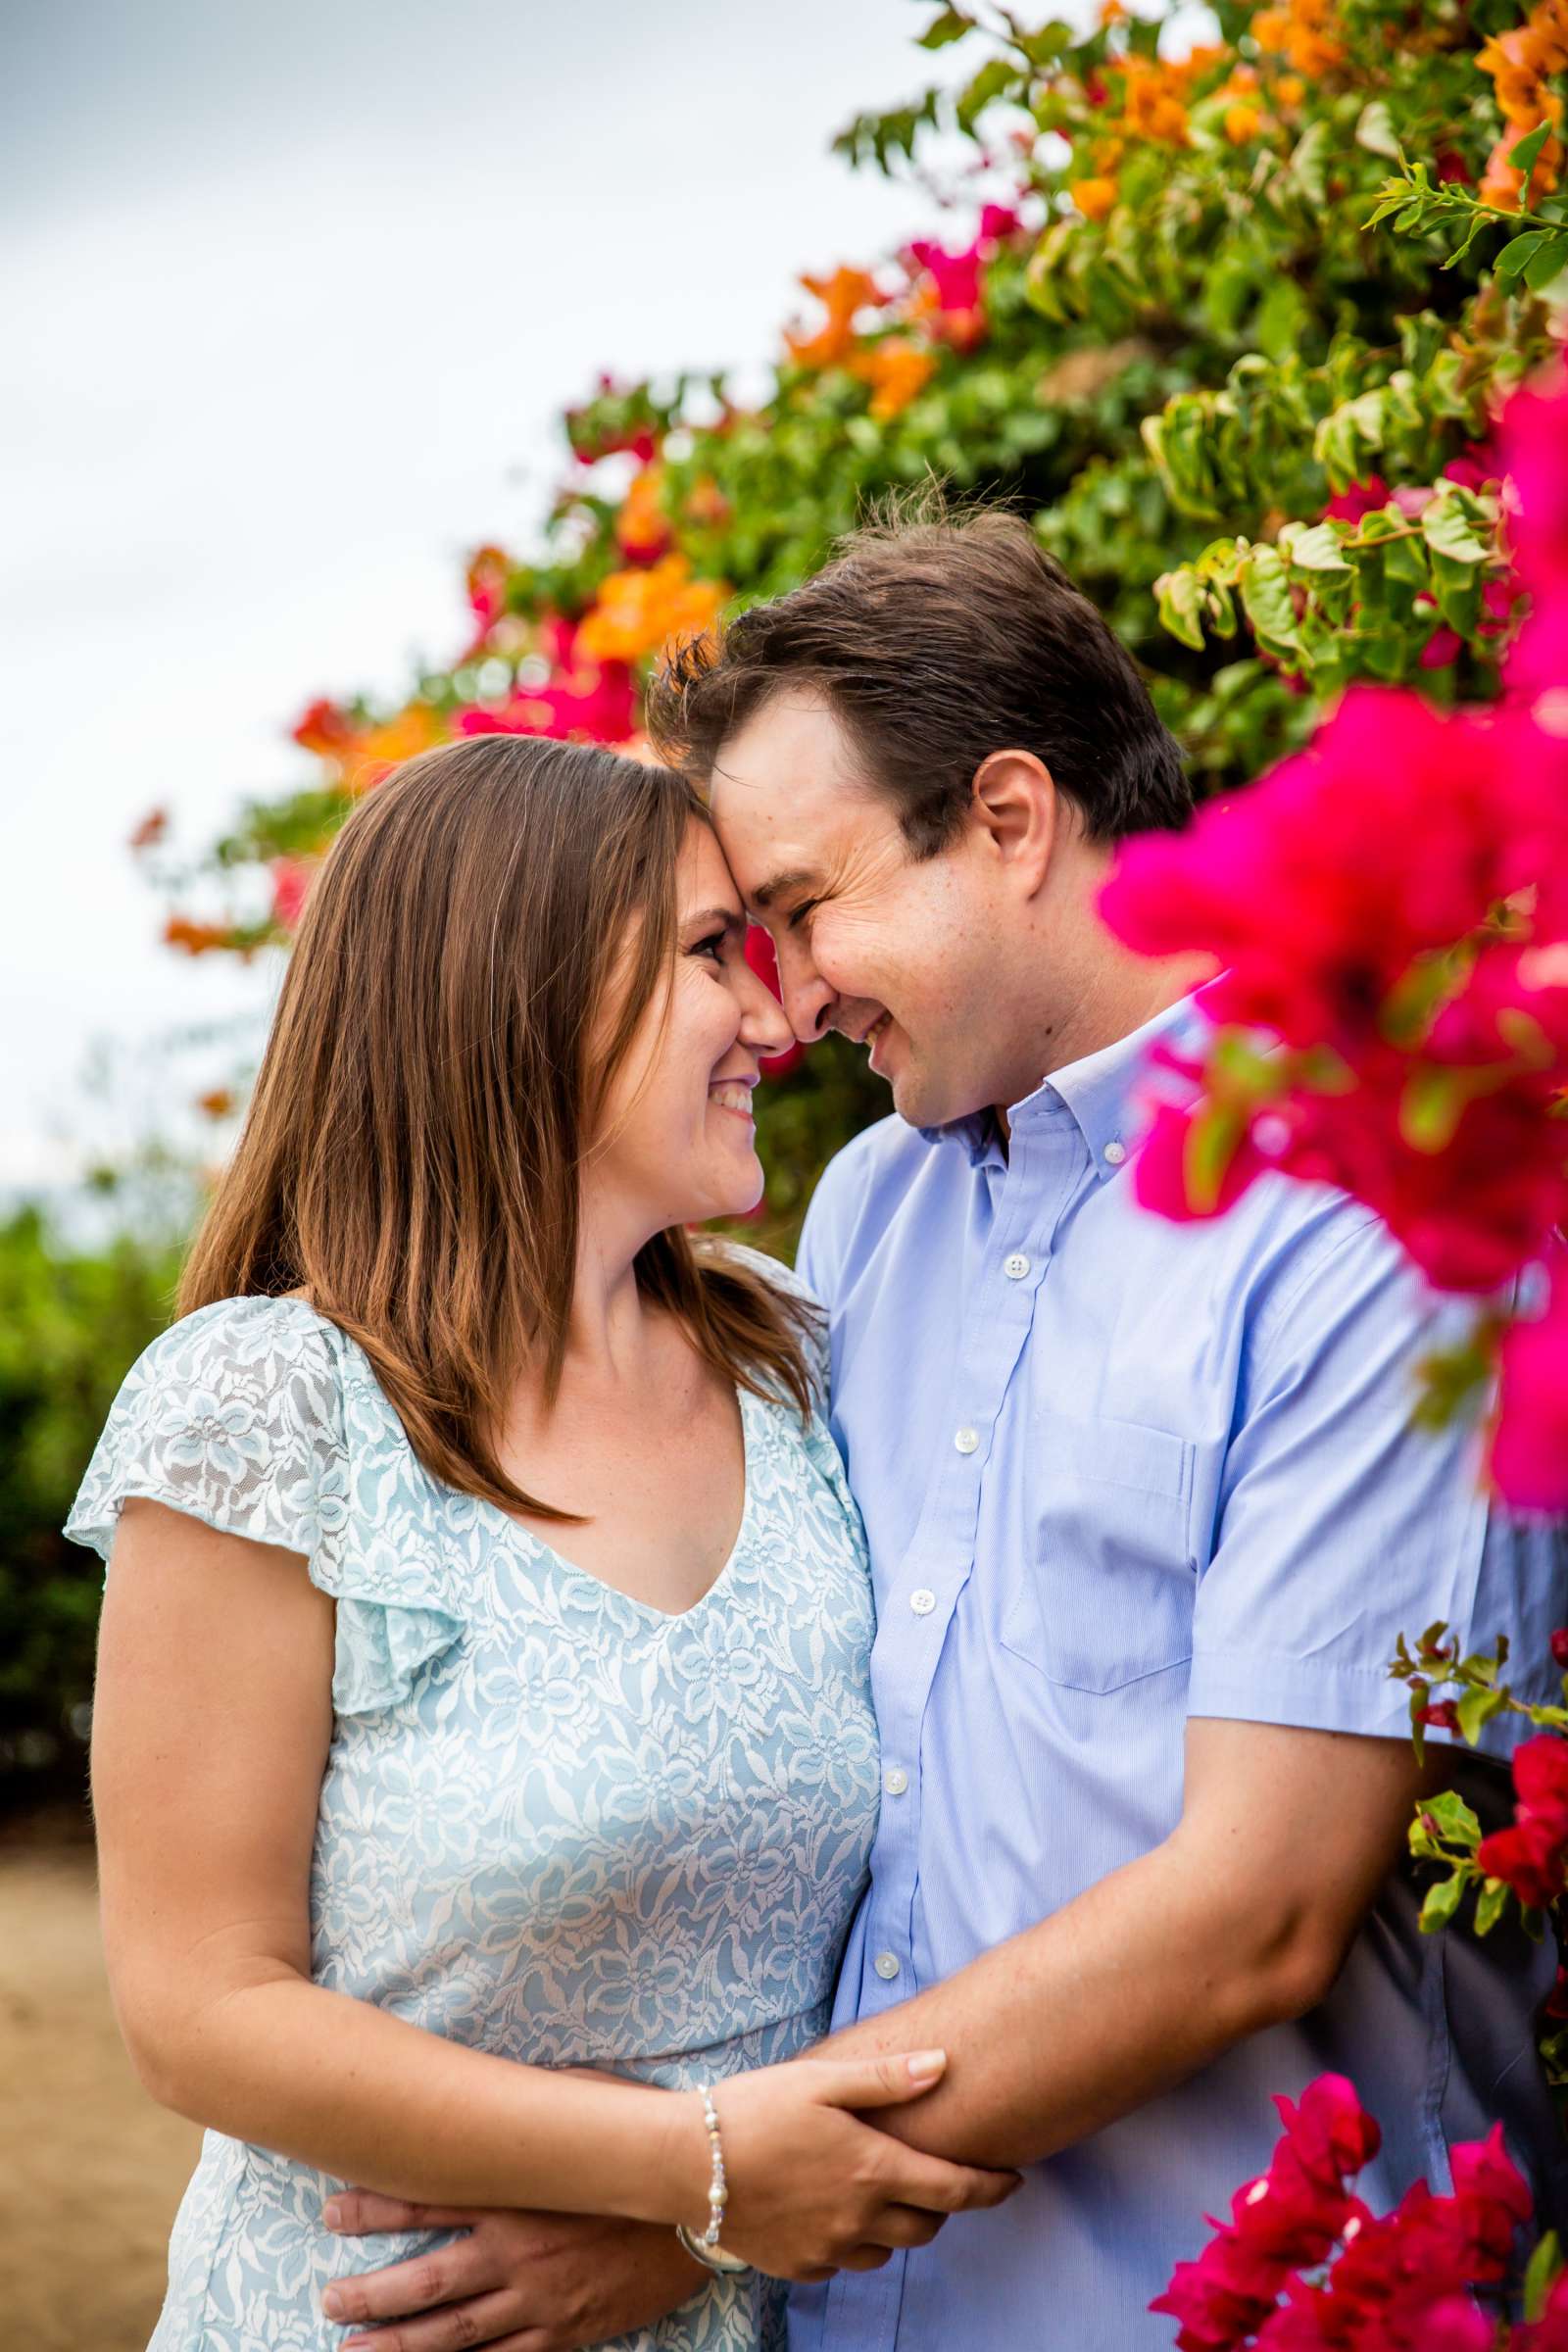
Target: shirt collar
[{"x": 1097, "y": 1092}]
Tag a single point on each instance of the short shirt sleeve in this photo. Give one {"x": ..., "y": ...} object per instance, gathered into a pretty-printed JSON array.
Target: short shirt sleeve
[
  {"x": 257, "y": 1418},
  {"x": 1340, "y": 1524}
]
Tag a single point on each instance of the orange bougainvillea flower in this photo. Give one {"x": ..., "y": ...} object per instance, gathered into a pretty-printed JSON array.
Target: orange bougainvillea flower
[
  {"x": 150, "y": 832},
  {"x": 842, "y": 296},
  {"x": 1299, "y": 34},
  {"x": 1519, "y": 63},
  {"x": 1154, "y": 107},
  {"x": 217, "y": 1103},
  {"x": 642, "y": 527},
  {"x": 897, "y": 370},
  {"x": 1095, "y": 198},
  {"x": 1242, "y": 124},
  {"x": 372, "y": 756},
  {"x": 195, "y": 939},
  {"x": 638, "y": 612},
  {"x": 325, "y": 729}
]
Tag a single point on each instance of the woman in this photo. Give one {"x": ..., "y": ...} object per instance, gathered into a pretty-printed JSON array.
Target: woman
[{"x": 482, "y": 1686}]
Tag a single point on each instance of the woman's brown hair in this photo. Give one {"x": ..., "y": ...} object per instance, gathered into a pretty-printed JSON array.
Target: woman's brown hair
[{"x": 434, "y": 1079}]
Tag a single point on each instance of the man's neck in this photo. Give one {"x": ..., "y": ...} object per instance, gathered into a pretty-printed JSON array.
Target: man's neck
[{"x": 1123, "y": 995}]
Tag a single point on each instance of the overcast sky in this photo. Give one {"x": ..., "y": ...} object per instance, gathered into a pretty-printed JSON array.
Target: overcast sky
[{"x": 292, "y": 296}]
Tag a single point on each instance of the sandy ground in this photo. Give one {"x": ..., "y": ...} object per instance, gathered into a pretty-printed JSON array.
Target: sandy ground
[{"x": 91, "y": 2170}]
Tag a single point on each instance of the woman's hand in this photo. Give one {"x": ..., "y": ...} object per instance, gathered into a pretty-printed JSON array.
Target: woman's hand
[
  {"x": 812, "y": 2190},
  {"x": 517, "y": 2281}
]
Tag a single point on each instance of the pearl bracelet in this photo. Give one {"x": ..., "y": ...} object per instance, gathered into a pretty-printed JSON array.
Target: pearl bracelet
[{"x": 707, "y": 2249}]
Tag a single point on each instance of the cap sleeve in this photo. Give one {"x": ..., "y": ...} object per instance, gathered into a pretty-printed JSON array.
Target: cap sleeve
[
  {"x": 233, "y": 1417},
  {"x": 237, "y": 1417}
]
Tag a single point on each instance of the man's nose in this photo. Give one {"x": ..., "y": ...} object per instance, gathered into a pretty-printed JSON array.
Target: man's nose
[{"x": 807, "y": 998}]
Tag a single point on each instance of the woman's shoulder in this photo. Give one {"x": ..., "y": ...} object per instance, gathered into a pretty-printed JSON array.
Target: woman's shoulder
[
  {"x": 768, "y": 1268},
  {"x": 254, "y": 1331}
]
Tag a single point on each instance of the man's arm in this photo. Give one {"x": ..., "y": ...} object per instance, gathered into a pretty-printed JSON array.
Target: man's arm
[{"x": 1241, "y": 1920}]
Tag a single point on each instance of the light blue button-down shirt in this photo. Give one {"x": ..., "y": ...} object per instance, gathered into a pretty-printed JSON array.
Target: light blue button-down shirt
[{"x": 1115, "y": 1472}]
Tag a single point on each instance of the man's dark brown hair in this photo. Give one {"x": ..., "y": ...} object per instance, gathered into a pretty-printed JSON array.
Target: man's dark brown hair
[{"x": 938, "y": 639}]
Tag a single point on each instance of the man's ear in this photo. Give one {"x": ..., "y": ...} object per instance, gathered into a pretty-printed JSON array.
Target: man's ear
[{"x": 1017, "y": 806}]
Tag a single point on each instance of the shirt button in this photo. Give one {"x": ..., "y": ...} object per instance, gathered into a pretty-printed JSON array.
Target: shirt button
[
  {"x": 967, "y": 1439},
  {"x": 886, "y": 1965},
  {"x": 923, "y": 1601},
  {"x": 1016, "y": 1266},
  {"x": 1116, "y": 1151},
  {"x": 895, "y": 1780}
]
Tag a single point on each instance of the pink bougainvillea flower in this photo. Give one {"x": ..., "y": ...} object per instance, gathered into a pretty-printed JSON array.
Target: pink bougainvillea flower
[
  {"x": 1529, "y": 1441},
  {"x": 291, "y": 883},
  {"x": 583, "y": 699},
  {"x": 1358, "y": 499},
  {"x": 1531, "y": 1855},
  {"x": 953, "y": 288},
  {"x": 1441, "y": 649}
]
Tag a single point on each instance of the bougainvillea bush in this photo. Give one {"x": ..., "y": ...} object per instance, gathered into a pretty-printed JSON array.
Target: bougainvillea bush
[{"x": 1231, "y": 325}]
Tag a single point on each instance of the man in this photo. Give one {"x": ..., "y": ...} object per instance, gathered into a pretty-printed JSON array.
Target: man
[{"x": 1145, "y": 1508}]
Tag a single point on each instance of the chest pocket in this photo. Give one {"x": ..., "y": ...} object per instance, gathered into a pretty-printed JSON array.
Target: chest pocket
[{"x": 1102, "y": 1582}]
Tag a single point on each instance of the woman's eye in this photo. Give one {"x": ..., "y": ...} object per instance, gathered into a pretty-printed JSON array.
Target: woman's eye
[
  {"x": 799, "y": 914},
  {"x": 713, "y": 946}
]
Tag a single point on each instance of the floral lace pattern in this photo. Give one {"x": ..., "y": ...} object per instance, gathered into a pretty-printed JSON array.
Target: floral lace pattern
[{"x": 556, "y": 1824}]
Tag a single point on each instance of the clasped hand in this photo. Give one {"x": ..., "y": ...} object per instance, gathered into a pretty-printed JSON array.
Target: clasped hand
[{"x": 812, "y": 2190}]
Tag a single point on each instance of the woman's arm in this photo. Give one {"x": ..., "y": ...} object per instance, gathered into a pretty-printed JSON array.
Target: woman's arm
[{"x": 211, "y": 1730}]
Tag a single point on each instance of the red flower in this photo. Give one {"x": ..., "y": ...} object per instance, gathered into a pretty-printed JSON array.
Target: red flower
[
  {"x": 764, "y": 963},
  {"x": 1442, "y": 1714},
  {"x": 1559, "y": 1647},
  {"x": 1530, "y": 1444},
  {"x": 1362, "y": 498},
  {"x": 953, "y": 281},
  {"x": 291, "y": 883},
  {"x": 1532, "y": 1857},
  {"x": 324, "y": 728}
]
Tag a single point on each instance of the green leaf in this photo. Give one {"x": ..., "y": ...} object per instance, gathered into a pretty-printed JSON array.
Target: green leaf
[
  {"x": 1541, "y": 2274},
  {"x": 1447, "y": 530},
  {"x": 1491, "y": 1905},
  {"x": 1454, "y": 1819},
  {"x": 1309, "y": 162},
  {"x": 1317, "y": 548},
  {"x": 1442, "y": 1901},
  {"x": 1431, "y": 1107},
  {"x": 1211, "y": 1146},
  {"x": 1267, "y": 602},
  {"x": 1525, "y": 156},
  {"x": 1476, "y": 1709},
  {"x": 1518, "y": 251},
  {"x": 1282, "y": 316},
  {"x": 1180, "y": 598},
  {"x": 950, "y": 25},
  {"x": 1547, "y": 263},
  {"x": 1375, "y": 131},
  {"x": 995, "y": 79}
]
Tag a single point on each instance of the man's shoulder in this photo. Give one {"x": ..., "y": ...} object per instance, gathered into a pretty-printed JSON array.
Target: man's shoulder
[{"x": 885, "y": 1156}]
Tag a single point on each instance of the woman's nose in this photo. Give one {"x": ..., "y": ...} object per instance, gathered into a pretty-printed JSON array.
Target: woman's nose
[{"x": 765, "y": 1024}]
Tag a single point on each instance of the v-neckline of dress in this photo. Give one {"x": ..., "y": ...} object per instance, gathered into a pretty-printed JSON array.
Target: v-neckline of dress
[
  {"x": 748, "y": 1403},
  {"x": 574, "y": 1570}
]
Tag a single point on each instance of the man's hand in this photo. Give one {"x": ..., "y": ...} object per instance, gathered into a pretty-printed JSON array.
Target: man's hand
[{"x": 518, "y": 2282}]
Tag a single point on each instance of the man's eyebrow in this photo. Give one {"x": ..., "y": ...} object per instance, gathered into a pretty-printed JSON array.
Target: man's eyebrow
[{"x": 776, "y": 885}]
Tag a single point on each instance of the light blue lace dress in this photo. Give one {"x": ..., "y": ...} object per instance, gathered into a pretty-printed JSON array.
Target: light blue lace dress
[{"x": 556, "y": 1823}]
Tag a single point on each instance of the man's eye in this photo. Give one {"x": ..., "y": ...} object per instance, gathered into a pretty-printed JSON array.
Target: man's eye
[{"x": 799, "y": 913}]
